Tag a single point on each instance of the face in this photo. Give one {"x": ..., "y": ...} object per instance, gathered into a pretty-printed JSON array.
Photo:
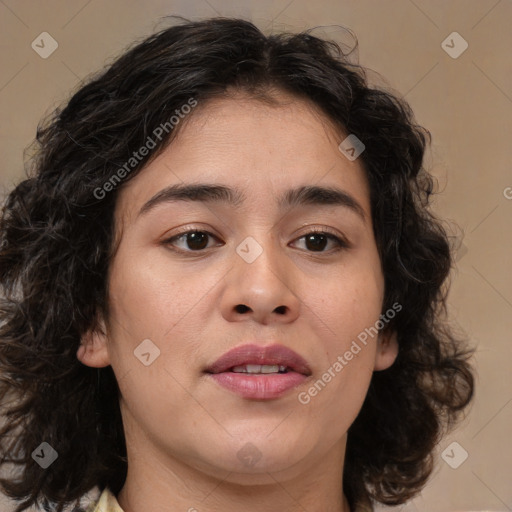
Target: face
[{"x": 305, "y": 275}]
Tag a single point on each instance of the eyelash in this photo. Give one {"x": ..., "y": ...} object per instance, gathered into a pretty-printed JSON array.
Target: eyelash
[{"x": 341, "y": 243}]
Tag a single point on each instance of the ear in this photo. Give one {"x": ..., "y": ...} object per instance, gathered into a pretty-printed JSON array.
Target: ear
[
  {"x": 93, "y": 350},
  {"x": 387, "y": 349}
]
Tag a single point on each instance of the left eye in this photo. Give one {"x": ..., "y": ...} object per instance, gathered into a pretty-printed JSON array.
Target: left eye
[
  {"x": 197, "y": 240},
  {"x": 319, "y": 239}
]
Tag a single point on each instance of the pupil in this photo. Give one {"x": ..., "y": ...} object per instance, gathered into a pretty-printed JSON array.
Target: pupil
[
  {"x": 316, "y": 246},
  {"x": 194, "y": 240}
]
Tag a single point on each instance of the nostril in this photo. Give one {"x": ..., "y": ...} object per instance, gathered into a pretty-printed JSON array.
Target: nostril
[
  {"x": 281, "y": 310},
  {"x": 241, "y": 308}
]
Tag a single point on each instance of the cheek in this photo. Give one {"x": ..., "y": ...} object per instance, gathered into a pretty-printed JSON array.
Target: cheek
[
  {"x": 150, "y": 300},
  {"x": 349, "y": 302},
  {"x": 150, "y": 296},
  {"x": 346, "y": 310},
  {"x": 350, "y": 312}
]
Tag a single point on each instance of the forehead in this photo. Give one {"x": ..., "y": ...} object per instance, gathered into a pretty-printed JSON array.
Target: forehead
[
  {"x": 261, "y": 149},
  {"x": 246, "y": 123}
]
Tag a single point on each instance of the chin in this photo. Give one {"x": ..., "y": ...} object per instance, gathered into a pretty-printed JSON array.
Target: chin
[{"x": 250, "y": 464}]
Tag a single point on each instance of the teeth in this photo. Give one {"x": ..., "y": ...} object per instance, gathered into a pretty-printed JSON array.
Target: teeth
[{"x": 259, "y": 368}]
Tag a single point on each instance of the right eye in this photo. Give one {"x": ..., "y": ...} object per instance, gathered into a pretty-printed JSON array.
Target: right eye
[{"x": 196, "y": 240}]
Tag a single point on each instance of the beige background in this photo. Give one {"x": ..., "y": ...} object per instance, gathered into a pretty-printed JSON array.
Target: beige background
[{"x": 465, "y": 102}]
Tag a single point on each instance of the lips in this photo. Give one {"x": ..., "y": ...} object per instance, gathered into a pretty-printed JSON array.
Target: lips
[
  {"x": 260, "y": 386},
  {"x": 258, "y": 355}
]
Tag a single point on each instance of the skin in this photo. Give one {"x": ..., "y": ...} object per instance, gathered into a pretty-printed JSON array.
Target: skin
[{"x": 184, "y": 431}]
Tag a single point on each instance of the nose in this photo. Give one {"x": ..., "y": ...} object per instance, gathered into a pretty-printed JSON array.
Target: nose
[{"x": 261, "y": 290}]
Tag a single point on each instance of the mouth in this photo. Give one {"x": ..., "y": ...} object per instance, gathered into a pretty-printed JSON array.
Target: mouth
[
  {"x": 260, "y": 373},
  {"x": 252, "y": 358}
]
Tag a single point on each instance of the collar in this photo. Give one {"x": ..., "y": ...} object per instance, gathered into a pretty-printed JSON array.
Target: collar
[{"x": 107, "y": 503}]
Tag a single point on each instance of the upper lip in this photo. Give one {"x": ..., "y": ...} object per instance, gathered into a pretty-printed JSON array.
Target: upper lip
[{"x": 256, "y": 354}]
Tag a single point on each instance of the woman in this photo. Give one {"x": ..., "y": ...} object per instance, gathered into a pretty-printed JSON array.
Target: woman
[{"x": 224, "y": 287}]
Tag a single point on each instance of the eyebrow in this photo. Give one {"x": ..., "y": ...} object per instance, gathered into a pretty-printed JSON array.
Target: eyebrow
[{"x": 214, "y": 193}]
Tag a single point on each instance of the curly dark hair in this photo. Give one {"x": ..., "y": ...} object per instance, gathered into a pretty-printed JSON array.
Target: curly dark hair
[{"x": 57, "y": 242}]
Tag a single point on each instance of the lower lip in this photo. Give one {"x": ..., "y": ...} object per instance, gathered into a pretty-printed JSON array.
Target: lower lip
[{"x": 259, "y": 386}]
